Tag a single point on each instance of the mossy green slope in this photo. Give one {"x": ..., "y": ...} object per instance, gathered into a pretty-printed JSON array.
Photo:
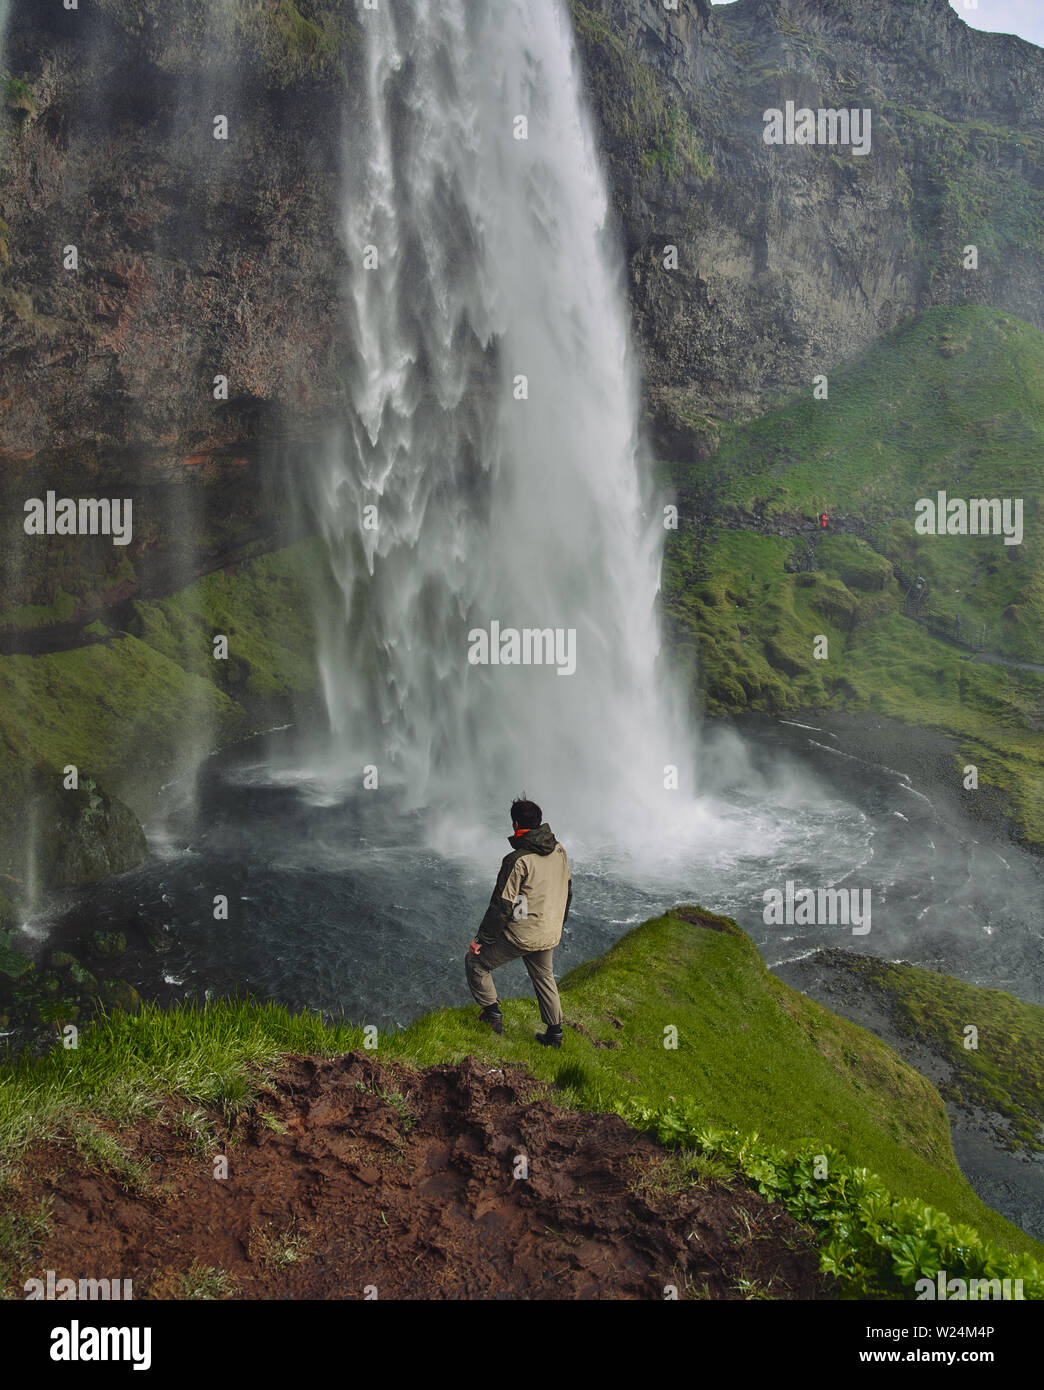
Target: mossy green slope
[
  {"x": 999, "y": 1067},
  {"x": 953, "y": 402},
  {"x": 752, "y": 1053},
  {"x": 264, "y": 610},
  {"x": 118, "y": 705},
  {"x": 134, "y": 707}
]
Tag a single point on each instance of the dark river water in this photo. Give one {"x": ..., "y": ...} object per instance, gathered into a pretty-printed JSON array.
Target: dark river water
[{"x": 347, "y": 903}]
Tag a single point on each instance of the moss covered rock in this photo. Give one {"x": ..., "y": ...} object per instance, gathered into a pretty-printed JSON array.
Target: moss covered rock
[
  {"x": 118, "y": 994},
  {"x": 854, "y": 562},
  {"x": 86, "y": 834},
  {"x": 13, "y": 964},
  {"x": 107, "y": 943}
]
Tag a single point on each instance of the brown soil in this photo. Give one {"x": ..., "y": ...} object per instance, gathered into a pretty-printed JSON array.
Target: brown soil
[{"x": 415, "y": 1195}]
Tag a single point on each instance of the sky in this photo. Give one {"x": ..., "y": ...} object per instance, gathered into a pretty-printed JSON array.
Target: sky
[{"x": 1022, "y": 17}]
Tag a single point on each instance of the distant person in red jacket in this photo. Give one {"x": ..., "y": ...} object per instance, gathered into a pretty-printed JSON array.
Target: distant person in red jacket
[{"x": 823, "y": 520}]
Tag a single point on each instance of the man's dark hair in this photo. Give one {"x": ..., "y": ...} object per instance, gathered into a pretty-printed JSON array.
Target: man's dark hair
[{"x": 527, "y": 815}]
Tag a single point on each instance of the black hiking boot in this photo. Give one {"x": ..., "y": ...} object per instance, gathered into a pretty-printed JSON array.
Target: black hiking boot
[
  {"x": 493, "y": 1017},
  {"x": 553, "y": 1036}
]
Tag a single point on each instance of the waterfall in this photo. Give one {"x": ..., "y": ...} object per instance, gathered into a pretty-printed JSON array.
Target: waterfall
[{"x": 476, "y": 258}]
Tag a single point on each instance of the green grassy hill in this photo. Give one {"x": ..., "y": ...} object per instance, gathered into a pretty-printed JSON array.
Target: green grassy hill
[
  {"x": 141, "y": 690},
  {"x": 1000, "y": 1068},
  {"x": 953, "y": 402},
  {"x": 753, "y": 1058},
  {"x": 752, "y": 1054}
]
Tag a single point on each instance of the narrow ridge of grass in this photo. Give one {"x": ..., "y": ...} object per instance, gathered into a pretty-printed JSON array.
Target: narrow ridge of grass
[{"x": 752, "y": 1057}]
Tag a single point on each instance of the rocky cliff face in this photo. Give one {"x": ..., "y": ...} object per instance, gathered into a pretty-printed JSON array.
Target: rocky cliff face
[
  {"x": 792, "y": 259},
  {"x": 196, "y": 258},
  {"x": 200, "y": 258}
]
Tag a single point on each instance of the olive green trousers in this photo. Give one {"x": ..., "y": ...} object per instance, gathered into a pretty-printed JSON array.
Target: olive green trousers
[{"x": 538, "y": 963}]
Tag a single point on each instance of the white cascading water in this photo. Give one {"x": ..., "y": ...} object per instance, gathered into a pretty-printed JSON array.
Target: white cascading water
[{"x": 494, "y": 261}]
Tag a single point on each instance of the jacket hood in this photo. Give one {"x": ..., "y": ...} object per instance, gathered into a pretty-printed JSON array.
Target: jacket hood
[{"x": 539, "y": 839}]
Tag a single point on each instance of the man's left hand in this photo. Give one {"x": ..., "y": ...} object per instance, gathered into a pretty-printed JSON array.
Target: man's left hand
[{"x": 475, "y": 948}]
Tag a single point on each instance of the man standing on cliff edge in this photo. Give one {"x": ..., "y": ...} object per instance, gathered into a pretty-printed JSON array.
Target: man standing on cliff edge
[{"x": 525, "y": 917}]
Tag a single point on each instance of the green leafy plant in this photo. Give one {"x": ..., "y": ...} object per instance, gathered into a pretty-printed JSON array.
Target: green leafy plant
[{"x": 875, "y": 1244}]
